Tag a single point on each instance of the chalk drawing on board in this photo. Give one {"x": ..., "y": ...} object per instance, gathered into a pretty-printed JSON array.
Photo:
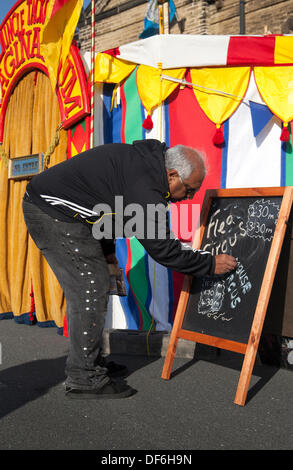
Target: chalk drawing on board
[
  {"x": 211, "y": 296},
  {"x": 229, "y": 291}
]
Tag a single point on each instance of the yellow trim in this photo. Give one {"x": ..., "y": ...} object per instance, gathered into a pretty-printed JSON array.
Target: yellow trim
[{"x": 93, "y": 223}]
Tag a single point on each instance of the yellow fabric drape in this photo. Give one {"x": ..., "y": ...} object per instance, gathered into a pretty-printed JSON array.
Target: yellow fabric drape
[
  {"x": 151, "y": 89},
  {"x": 14, "y": 275},
  {"x": 109, "y": 69},
  {"x": 275, "y": 85},
  {"x": 30, "y": 124},
  {"x": 231, "y": 80},
  {"x": 57, "y": 34}
]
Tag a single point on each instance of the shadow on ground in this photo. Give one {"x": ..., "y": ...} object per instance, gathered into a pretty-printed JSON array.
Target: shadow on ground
[
  {"x": 230, "y": 360},
  {"x": 27, "y": 382}
]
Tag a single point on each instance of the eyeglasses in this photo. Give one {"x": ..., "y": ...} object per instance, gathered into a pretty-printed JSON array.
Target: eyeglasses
[{"x": 188, "y": 190}]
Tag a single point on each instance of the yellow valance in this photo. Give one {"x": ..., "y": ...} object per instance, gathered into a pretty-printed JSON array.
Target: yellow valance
[
  {"x": 109, "y": 69},
  {"x": 152, "y": 89},
  {"x": 219, "y": 92},
  {"x": 275, "y": 84}
]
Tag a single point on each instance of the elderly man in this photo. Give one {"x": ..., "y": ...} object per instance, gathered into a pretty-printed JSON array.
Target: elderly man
[{"x": 64, "y": 209}]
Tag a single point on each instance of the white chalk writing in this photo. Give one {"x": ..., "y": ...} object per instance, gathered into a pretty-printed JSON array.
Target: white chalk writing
[
  {"x": 238, "y": 285},
  {"x": 214, "y": 291},
  {"x": 262, "y": 218},
  {"x": 231, "y": 227},
  {"x": 211, "y": 299}
]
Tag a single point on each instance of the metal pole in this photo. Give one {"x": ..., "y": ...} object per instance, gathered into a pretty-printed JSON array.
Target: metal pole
[
  {"x": 92, "y": 75},
  {"x": 242, "y": 16}
]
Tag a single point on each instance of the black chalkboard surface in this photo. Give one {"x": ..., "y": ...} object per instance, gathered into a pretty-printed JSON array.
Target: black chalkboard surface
[
  {"x": 244, "y": 227},
  {"x": 228, "y": 311}
]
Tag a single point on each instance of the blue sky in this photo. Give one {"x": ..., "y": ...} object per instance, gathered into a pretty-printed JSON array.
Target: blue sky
[{"x": 5, "y": 6}]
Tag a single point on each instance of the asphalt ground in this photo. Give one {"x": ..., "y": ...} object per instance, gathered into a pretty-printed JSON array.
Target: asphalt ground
[{"x": 192, "y": 411}]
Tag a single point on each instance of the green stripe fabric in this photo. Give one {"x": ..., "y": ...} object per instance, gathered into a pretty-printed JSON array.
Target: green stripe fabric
[{"x": 289, "y": 159}]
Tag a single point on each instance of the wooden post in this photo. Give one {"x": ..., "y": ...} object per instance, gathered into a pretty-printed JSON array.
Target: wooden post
[
  {"x": 163, "y": 16},
  {"x": 166, "y": 17},
  {"x": 161, "y": 19}
]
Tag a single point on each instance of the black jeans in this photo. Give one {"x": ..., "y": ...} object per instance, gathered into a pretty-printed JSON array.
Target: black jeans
[{"x": 78, "y": 263}]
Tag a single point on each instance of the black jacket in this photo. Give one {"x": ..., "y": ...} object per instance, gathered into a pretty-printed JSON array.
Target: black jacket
[{"x": 71, "y": 191}]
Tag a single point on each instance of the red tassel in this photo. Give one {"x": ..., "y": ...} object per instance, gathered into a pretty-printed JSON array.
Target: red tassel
[
  {"x": 148, "y": 123},
  {"x": 285, "y": 136},
  {"x": 218, "y": 138}
]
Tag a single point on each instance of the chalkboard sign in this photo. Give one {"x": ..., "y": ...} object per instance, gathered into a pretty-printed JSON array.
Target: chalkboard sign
[
  {"x": 244, "y": 227},
  {"x": 228, "y": 311}
]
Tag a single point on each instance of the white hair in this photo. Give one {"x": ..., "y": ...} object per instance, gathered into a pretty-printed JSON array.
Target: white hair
[{"x": 185, "y": 160}]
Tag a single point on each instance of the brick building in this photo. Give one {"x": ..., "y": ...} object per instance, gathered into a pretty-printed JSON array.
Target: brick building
[{"x": 121, "y": 21}]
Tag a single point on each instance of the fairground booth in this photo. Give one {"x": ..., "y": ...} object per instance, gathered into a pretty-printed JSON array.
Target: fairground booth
[{"x": 231, "y": 97}]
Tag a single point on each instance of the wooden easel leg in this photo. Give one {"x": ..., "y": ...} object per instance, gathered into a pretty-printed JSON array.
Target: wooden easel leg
[
  {"x": 169, "y": 359},
  {"x": 176, "y": 327},
  {"x": 246, "y": 372},
  {"x": 264, "y": 297}
]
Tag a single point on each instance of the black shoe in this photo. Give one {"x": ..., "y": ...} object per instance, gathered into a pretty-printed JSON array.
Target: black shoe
[
  {"x": 110, "y": 390},
  {"x": 114, "y": 369}
]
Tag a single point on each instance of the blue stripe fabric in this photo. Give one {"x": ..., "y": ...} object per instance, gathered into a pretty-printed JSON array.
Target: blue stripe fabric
[
  {"x": 143, "y": 118},
  {"x": 128, "y": 303},
  {"x": 112, "y": 119}
]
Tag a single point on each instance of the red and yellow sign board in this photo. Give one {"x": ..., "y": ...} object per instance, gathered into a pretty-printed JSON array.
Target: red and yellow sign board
[{"x": 20, "y": 44}]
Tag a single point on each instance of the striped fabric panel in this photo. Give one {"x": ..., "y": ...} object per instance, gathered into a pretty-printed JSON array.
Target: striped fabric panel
[
  {"x": 128, "y": 303},
  {"x": 160, "y": 306},
  {"x": 249, "y": 160},
  {"x": 190, "y": 126},
  {"x": 112, "y": 123},
  {"x": 149, "y": 303},
  {"x": 112, "y": 120},
  {"x": 148, "y": 280},
  {"x": 136, "y": 268}
]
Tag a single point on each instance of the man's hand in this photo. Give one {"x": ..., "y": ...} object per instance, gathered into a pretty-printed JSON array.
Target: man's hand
[{"x": 224, "y": 264}]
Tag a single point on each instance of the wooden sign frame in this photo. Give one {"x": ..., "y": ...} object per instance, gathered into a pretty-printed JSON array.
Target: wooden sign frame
[
  {"x": 249, "y": 350},
  {"x": 36, "y": 161}
]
